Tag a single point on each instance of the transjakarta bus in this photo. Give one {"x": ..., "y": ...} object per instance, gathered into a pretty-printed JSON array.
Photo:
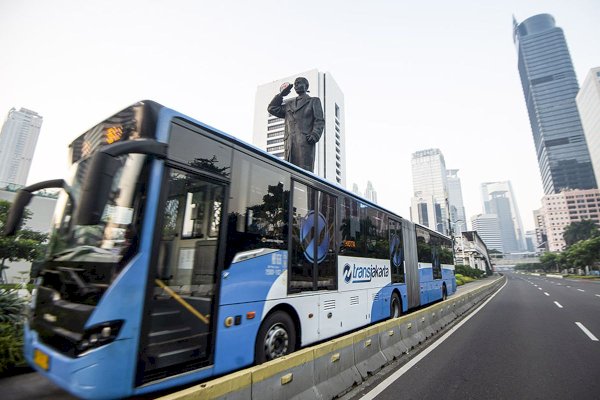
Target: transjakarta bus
[{"x": 179, "y": 253}]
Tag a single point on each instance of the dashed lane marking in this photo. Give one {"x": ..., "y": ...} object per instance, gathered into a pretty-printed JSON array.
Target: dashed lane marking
[
  {"x": 546, "y": 293},
  {"x": 558, "y": 304}
]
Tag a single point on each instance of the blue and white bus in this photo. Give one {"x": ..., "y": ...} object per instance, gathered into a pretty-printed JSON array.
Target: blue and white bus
[{"x": 179, "y": 253}]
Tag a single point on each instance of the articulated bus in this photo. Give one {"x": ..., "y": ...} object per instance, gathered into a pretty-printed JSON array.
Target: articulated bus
[{"x": 179, "y": 253}]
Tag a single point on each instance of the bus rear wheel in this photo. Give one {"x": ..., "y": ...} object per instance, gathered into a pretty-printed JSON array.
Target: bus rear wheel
[
  {"x": 276, "y": 337},
  {"x": 395, "y": 306}
]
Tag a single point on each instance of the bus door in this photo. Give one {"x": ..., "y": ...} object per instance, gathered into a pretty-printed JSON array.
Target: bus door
[
  {"x": 313, "y": 258},
  {"x": 178, "y": 331},
  {"x": 411, "y": 264}
]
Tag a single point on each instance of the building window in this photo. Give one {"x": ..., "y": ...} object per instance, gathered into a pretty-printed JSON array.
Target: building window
[
  {"x": 275, "y": 148},
  {"x": 274, "y": 127},
  {"x": 337, "y": 111},
  {"x": 274, "y": 134},
  {"x": 274, "y": 141}
]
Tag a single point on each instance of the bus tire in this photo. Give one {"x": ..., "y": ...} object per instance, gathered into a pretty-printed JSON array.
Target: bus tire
[
  {"x": 395, "y": 306},
  {"x": 444, "y": 292},
  {"x": 276, "y": 337}
]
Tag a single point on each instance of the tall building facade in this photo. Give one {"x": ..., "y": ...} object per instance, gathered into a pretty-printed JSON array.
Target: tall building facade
[
  {"x": 561, "y": 209},
  {"x": 18, "y": 139},
  {"x": 429, "y": 204},
  {"x": 330, "y": 157},
  {"x": 458, "y": 218},
  {"x": 550, "y": 86},
  {"x": 499, "y": 198},
  {"x": 488, "y": 228},
  {"x": 588, "y": 103},
  {"x": 371, "y": 193}
]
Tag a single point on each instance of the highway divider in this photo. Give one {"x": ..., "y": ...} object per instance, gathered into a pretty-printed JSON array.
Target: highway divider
[{"x": 332, "y": 368}]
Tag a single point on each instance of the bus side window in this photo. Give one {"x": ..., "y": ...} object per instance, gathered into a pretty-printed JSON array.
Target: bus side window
[{"x": 259, "y": 206}]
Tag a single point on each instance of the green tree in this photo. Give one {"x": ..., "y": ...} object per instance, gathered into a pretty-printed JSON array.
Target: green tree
[
  {"x": 552, "y": 261},
  {"x": 27, "y": 244},
  {"x": 584, "y": 252},
  {"x": 580, "y": 230}
]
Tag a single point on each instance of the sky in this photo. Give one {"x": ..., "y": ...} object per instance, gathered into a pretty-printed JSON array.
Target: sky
[{"x": 415, "y": 75}]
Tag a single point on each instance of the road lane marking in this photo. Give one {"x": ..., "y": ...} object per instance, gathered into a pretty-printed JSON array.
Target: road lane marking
[
  {"x": 581, "y": 290},
  {"x": 586, "y": 331},
  {"x": 598, "y": 295},
  {"x": 568, "y": 286},
  {"x": 396, "y": 375},
  {"x": 546, "y": 293},
  {"x": 558, "y": 304},
  {"x": 539, "y": 288}
]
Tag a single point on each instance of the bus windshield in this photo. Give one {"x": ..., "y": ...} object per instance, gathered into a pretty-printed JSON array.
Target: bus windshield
[{"x": 115, "y": 238}]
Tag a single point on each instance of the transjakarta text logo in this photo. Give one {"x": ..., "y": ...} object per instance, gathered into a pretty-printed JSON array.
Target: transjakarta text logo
[{"x": 363, "y": 273}]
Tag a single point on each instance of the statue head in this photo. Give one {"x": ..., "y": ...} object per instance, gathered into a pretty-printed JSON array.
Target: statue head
[{"x": 301, "y": 85}]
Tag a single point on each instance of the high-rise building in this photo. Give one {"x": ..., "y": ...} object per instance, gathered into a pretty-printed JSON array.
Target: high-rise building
[
  {"x": 370, "y": 193},
  {"x": 531, "y": 241},
  {"x": 588, "y": 103},
  {"x": 495, "y": 196},
  {"x": 561, "y": 209},
  {"x": 330, "y": 157},
  {"x": 540, "y": 230},
  {"x": 488, "y": 228},
  {"x": 500, "y": 206},
  {"x": 458, "y": 217},
  {"x": 550, "y": 86},
  {"x": 429, "y": 204},
  {"x": 356, "y": 190},
  {"x": 17, "y": 144}
]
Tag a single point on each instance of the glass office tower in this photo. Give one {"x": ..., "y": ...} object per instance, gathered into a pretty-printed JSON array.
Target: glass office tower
[{"x": 550, "y": 86}]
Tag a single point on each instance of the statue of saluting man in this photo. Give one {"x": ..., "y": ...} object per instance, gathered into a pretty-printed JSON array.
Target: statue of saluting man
[{"x": 304, "y": 122}]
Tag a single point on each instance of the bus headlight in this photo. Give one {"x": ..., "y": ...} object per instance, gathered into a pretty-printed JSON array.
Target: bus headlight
[{"x": 99, "y": 335}]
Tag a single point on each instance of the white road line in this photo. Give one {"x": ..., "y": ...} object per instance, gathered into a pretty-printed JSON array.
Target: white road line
[
  {"x": 546, "y": 293},
  {"x": 568, "y": 286},
  {"x": 581, "y": 290},
  {"x": 558, "y": 304},
  {"x": 539, "y": 288},
  {"x": 586, "y": 331},
  {"x": 598, "y": 295},
  {"x": 396, "y": 375}
]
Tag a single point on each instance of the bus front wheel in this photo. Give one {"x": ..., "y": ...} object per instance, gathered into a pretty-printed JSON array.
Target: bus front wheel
[{"x": 276, "y": 337}]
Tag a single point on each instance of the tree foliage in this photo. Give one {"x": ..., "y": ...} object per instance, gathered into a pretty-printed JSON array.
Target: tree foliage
[
  {"x": 27, "y": 244},
  {"x": 580, "y": 230}
]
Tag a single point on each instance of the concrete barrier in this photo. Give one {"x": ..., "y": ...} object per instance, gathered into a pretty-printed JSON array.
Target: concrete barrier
[
  {"x": 332, "y": 368},
  {"x": 289, "y": 377},
  {"x": 368, "y": 357}
]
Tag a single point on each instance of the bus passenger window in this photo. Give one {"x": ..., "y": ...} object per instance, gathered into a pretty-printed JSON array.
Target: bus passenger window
[{"x": 258, "y": 208}]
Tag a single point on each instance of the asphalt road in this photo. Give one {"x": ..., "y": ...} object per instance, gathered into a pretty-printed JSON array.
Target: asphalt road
[{"x": 527, "y": 342}]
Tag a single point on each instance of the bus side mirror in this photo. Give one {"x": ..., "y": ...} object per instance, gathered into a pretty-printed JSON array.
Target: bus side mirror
[
  {"x": 15, "y": 215},
  {"x": 22, "y": 199},
  {"x": 96, "y": 188}
]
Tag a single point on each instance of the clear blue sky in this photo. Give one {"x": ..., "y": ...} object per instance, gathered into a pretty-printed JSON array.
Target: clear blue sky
[{"x": 414, "y": 74}]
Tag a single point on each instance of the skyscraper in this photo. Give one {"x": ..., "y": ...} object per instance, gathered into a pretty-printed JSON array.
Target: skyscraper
[
  {"x": 488, "y": 228},
  {"x": 455, "y": 200},
  {"x": 588, "y": 103},
  {"x": 429, "y": 204},
  {"x": 499, "y": 198},
  {"x": 17, "y": 144},
  {"x": 330, "y": 157},
  {"x": 371, "y": 193},
  {"x": 550, "y": 86}
]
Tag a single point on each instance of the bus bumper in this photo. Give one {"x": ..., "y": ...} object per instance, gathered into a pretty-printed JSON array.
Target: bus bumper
[{"x": 103, "y": 373}]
